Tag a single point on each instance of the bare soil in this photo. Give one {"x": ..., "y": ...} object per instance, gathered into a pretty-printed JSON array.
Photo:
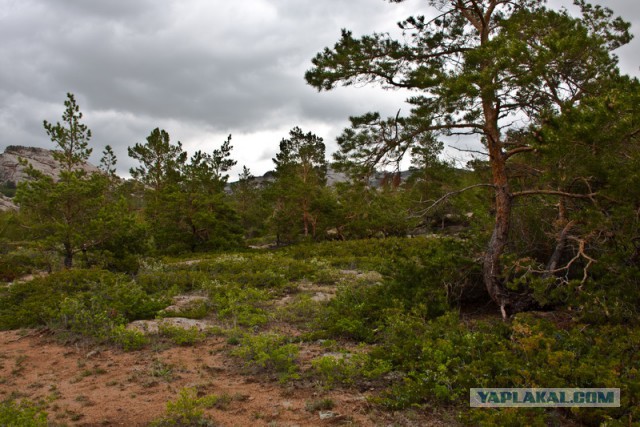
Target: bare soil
[{"x": 83, "y": 386}]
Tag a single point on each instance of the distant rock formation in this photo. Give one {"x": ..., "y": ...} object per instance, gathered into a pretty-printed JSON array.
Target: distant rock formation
[
  {"x": 12, "y": 172},
  {"x": 334, "y": 177},
  {"x": 40, "y": 158}
]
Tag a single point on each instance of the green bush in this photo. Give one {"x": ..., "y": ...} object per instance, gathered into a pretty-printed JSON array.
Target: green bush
[
  {"x": 32, "y": 303},
  {"x": 242, "y": 306},
  {"x": 348, "y": 368},
  {"x": 22, "y": 414},
  {"x": 197, "y": 309},
  {"x": 441, "y": 359},
  {"x": 128, "y": 340},
  {"x": 19, "y": 262},
  {"x": 355, "y": 313},
  {"x": 182, "y": 336},
  {"x": 269, "y": 353},
  {"x": 77, "y": 318},
  {"x": 430, "y": 280},
  {"x": 181, "y": 281},
  {"x": 303, "y": 311},
  {"x": 186, "y": 411}
]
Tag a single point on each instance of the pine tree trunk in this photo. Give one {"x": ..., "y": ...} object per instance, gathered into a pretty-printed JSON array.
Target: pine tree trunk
[
  {"x": 492, "y": 268},
  {"x": 68, "y": 255},
  {"x": 509, "y": 301}
]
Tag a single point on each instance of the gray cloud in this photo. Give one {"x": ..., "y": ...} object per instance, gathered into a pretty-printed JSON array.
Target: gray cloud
[{"x": 199, "y": 68}]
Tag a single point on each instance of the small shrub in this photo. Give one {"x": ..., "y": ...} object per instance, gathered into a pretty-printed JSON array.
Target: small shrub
[
  {"x": 242, "y": 306},
  {"x": 197, "y": 310},
  {"x": 22, "y": 414},
  {"x": 182, "y": 281},
  {"x": 182, "y": 336},
  {"x": 302, "y": 311},
  {"x": 355, "y": 313},
  {"x": 39, "y": 301},
  {"x": 269, "y": 353},
  {"x": 77, "y": 318},
  {"x": 186, "y": 411},
  {"x": 348, "y": 368},
  {"x": 516, "y": 417},
  {"x": 20, "y": 262},
  {"x": 128, "y": 340},
  {"x": 219, "y": 401}
]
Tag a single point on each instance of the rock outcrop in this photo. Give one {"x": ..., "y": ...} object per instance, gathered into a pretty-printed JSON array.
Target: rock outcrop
[
  {"x": 41, "y": 159},
  {"x": 6, "y": 204},
  {"x": 12, "y": 172}
]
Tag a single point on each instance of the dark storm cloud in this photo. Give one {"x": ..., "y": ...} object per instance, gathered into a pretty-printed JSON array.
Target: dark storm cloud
[{"x": 199, "y": 68}]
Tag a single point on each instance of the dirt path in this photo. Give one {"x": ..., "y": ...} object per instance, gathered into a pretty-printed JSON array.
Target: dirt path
[{"x": 89, "y": 387}]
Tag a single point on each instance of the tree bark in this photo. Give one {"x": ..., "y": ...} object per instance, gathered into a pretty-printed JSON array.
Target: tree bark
[
  {"x": 492, "y": 268},
  {"x": 508, "y": 301}
]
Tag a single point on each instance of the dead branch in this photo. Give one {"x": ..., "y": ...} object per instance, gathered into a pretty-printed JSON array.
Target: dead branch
[
  {"x": 580, "y": 254},
  {"x": 557, "y": 253}
]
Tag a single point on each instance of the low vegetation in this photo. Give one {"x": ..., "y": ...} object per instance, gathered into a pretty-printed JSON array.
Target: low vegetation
[
  {"x": 404, "y": 331},
  {"x": 520, "y": 269}
]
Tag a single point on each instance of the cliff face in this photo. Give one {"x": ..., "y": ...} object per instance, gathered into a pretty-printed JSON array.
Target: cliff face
[{"x": 41, "y": 159}]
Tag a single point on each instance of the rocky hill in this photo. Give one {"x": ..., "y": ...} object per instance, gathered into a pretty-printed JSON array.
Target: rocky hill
[{"x": 11, "y": 171}]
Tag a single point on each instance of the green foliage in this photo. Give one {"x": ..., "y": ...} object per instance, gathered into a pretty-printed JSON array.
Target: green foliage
[
  {"x": 75, "y": 317},
  {"x": 250, "y": 202},
  {"x": 127, "y": 339},
  {"x": 348, "y": 368},
  {"x": 354, "y": 313},
  {"x": 70, "y": 299},
  {"x": 266, "y": 270},
  {"x": 465, "y": 68},
  {"x": 71, "y": 137},
  {"x": 178, "y": 281},
  {"x": 303, "y": 311},
  {"x": 364, "y": 211},
  {"x": 8, "y": 188},
  {"x": 300, "y": 174},
  {"x": 182, "y": 336},
  {"x": 185, "y": 203},
  {"x": 197, "y": 309},
  {"x": 159, "y": 160},
  {"x": 73, "y": 213},
  {"x": 442, "y": 358},
  {"x": 242, "y": 306},
  {"x": 428, "y": 281},
  {"x": 269, "y": 353},
  {"x": 22, "y": 414},
  {"x": 21, "y": 261},
  {"x": 517, "y": 417},
  {"x": 186, "y": 411}
]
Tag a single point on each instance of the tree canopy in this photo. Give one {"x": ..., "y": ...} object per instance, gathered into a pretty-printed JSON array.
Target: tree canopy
[{"x": 490, "y": 68}]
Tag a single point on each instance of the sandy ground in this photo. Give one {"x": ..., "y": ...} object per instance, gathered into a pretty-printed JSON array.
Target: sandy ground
[{"x": 84, "y": 386}]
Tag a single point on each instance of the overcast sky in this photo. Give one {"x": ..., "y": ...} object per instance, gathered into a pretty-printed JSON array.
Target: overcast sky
[{"x": 200, "y": 69}]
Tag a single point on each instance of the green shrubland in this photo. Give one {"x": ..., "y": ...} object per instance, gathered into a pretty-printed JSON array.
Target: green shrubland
[
  {"x": 424, "y": 332},
  {"x": 525, "y": 271}
]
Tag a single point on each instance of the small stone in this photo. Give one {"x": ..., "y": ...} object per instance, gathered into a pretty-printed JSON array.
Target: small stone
[{"x": 325, "y": 415}]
